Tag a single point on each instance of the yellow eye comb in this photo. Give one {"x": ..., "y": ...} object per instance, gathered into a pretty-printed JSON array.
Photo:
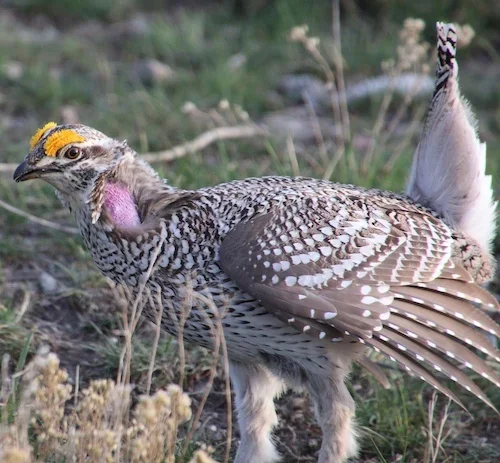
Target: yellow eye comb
[
  {"x": 59, "y": 140},
  {"x": 39, "y": 134}
]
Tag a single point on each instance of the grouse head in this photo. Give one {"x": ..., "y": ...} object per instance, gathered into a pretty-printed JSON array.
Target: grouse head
[
  {"x": 71, "y": 157},
  {"x": 93, "y": 171}
]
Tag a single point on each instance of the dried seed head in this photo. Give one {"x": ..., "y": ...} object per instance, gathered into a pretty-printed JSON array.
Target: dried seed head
[
  {"x": 299, "y": 33},
  {"x": 465, "y": 34},
  {"x": 15, "y": 455},
  {"x": 224, "y": 105},
  {"x": 201, "y": 456},
  {"x": 189, "y": 107}
]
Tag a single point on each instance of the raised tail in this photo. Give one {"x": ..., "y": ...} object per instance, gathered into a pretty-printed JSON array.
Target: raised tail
[{"x": 448, "y": 172}]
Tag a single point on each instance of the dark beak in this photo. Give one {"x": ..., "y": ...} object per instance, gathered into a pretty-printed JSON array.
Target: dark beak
[{"x": 25, "y": 172}]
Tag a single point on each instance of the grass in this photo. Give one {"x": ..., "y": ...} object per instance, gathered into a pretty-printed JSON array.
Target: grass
[
  {"x": 396, "y": 422},
  {"x": 94, "y": 74}
]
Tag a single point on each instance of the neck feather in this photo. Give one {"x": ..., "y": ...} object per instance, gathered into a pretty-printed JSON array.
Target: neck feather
[{"x": 132, "y": 195}]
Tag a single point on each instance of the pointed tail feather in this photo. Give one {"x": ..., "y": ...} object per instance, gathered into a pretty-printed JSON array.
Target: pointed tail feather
[{"x": 448, "y": 173}]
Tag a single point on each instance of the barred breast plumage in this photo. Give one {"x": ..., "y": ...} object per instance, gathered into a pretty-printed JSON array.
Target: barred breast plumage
[{"x": 306, "y": 272}]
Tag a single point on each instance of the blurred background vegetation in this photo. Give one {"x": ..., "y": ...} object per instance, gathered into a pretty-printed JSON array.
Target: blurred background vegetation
[{"x": 129, "y": 67}]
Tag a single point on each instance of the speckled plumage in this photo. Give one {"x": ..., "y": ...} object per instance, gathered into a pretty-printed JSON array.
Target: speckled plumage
[
  {"x": 306, "y": 273},
  {"x": 364, "y": 245}
]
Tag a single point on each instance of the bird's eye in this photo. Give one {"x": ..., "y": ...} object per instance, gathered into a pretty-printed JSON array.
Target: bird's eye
[{"x": 72, "y": 153}]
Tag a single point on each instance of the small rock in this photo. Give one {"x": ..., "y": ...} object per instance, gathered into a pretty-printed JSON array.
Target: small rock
[
  {"x": 133, "y": 27},
  {"x": 90, "y": 29},
  {"x": 151, "y": 71},
  {"x": 55, "y": 73},
  {"x": 274, "y": 100},
  {"x": 237, "y": 61},
  {"x": 48, "y": 283},
  {"x": 14, "y": 70}
]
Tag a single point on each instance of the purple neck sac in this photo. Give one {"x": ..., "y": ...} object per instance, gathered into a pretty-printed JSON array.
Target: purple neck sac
[{"x": 121, "y": 206}]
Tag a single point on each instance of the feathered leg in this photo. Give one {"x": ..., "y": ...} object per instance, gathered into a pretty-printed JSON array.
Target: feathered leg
[
  {"x": 334, "y": 408},
  {"x": 255, "y": 388}
]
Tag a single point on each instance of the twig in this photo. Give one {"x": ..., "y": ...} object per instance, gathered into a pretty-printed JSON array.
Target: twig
[
  {"x": 179, "y": 321},
  {"x": 377, "y": 127},
  {"x": 202, "y": 141},
  {"x": 339, "y": 68},
  {"x": 316, "y": 128},
  {"x": 441, "y": 437},
  {"x": 299, "y": 34},
  {"x": 38, "y": 220},
  {"x": 179, "y": 326},
  {"x": 24, "y": 306},
  {"x": 398, "y": 150},
  {"x": 403, "y": 107},
  {"x": 4, "y": 388},
  {"x": 293, "y": 454},
  {"x": 77, "y": 385},
  {"x": 184, "y": 314},
  {"x": 292, "y": 155},
  {"x": 227, "y": 389},
  {"x": 327, "y": 173}
]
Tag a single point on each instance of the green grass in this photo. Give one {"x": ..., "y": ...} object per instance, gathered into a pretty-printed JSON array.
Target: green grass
[
  {"x": 394, "y": 422},
  {"x": 95, "y": 76}
]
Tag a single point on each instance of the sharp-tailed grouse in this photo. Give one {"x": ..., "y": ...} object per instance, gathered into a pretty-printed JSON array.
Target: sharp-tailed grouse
[{"x": 308, "y": 272}]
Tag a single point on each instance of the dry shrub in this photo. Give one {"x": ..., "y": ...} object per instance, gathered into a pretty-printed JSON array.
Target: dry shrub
[
  {"x": 101, "y": 427},
  {"x": 413, "y": 55},
  {"x": 100, "y": 424}
]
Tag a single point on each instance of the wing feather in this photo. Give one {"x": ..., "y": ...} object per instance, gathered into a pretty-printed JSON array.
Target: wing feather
[{"x": 382, "y": 276}]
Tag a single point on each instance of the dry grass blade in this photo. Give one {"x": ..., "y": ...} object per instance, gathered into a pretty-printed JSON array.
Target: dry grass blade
[
  {"x": 159, "y": 314},
  {"x": 292, "y": 156},
  {"x": 24, "y": 306},
  {"x": 227, "y": 391},
  {"x": 130, "y": 324},
  {"x": 435, "y": 443},
  {"x": 320, "y": 140},
  {"x": 399, "y": 149},
  {"x": 179, "y": 323}
]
